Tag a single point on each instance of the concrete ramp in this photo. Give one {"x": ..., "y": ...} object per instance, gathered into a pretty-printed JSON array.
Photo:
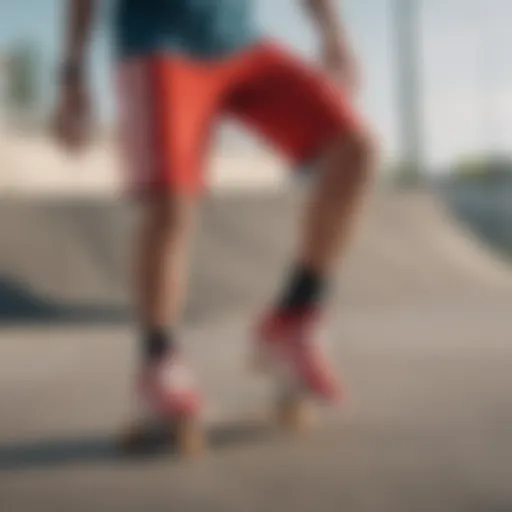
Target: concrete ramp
[
  {"x": 69, "y": 259},
  {"x": 420, "y": 334}
]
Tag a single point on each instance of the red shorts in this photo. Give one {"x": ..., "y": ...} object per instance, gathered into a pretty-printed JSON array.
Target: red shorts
[{"x": 169, "y": 105}]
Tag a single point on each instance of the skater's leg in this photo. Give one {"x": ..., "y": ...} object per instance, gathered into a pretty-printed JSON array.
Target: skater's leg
[
  {"x": 161, "y": 268},
  {"x": 165, "y": 132},
  {"x": 308, "y": 119},
  {"x": 342, "y": 179},
  {"x": 328, "y": 222}
]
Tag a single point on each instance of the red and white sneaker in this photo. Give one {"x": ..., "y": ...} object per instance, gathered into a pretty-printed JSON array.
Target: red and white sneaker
[
  {"x": 166, "y": 390},
  {"x": 167, "y": 402},
  {"x": 287, "y": 346}
]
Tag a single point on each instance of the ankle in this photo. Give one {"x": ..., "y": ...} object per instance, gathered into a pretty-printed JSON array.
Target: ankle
[
  {"x": 304, "y": 292},
  {"x": 157, "y": 343}
]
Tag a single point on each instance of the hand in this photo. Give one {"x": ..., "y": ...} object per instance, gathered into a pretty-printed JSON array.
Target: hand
[
  {"x": 71, "y": 124},
  {"x": 340, "y": 62}
]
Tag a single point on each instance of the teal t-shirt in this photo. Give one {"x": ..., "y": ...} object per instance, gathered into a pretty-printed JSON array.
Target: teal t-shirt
[{"x": 200, "y": 28}]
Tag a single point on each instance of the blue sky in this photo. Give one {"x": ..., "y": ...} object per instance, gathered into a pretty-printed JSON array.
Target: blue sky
[{"x": 467, "y": 76}]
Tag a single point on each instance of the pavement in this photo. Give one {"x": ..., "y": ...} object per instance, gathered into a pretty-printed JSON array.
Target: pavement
[{"x": 419, "y": 328}]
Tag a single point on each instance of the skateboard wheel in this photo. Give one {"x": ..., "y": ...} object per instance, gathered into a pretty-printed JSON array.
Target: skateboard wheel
[
  {"x": 185, "y": 437},
  {"x": 294, "y": 415},
  {"x": 188, "y": 438}
]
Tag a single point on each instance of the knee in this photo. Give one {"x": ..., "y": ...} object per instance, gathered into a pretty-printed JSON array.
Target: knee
[
  {"x": 362, "y": 144},
  {"x": 365, "y": 146},
  {"x": 167, "y": 214},
  {"x": 356, "y": 153}
]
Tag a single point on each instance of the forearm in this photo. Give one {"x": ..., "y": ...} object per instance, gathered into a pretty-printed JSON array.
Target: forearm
[
  {"x": 327, "y": 19},
  {"x": 79, "y": 19}
]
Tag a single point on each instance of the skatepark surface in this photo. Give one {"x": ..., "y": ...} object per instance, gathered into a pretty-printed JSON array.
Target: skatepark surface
[{"x": 420, "y": 329}]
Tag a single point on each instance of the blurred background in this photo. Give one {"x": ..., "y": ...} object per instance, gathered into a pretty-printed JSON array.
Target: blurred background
[
  {"x": 437, "y": 91},
  {"x": 423, "y": 298}
]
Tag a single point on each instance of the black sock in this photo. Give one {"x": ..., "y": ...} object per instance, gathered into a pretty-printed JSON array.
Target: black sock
[
  {"x": 157, "y": 342},
  {"x": 305, "y": 289}
]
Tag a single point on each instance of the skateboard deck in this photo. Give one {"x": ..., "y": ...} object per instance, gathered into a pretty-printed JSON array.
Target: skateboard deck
[{"x": 190, "y": 438}]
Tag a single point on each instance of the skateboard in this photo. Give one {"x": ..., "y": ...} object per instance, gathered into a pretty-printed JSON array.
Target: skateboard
[
  {"x": 291, "y": 412},
  {"x": 189, "y": 439},
  {"x": 292, "y": 407},
  {"x": 186, "y": 437}
]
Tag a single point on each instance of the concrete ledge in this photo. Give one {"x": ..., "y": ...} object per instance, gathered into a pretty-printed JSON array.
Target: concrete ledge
[
  {"x": 35, "y": 167},
  {"x": 71, "y": 257}
]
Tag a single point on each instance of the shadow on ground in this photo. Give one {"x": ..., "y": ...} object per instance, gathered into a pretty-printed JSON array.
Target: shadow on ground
[
  {"x": 19, "y": 305},
  {"x": 22, "y": 306},
  {"x": 55, "y": 453}
]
